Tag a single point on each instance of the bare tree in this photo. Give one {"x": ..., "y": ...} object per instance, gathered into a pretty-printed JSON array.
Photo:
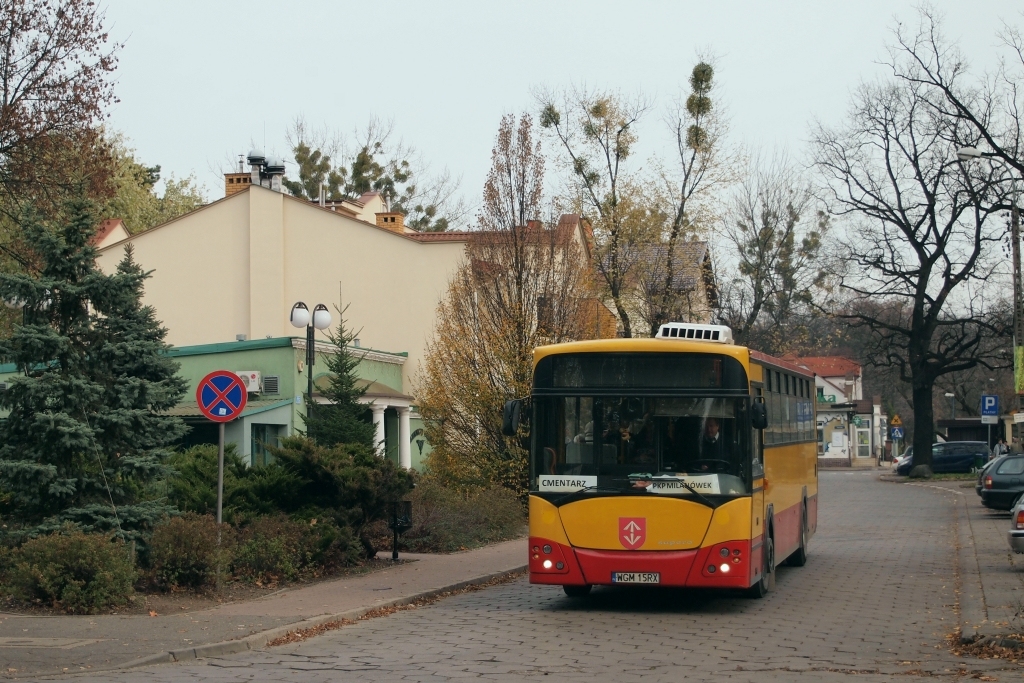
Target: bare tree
[
  {"x": 990, "y": 108},
  {"x": 55, "y": 67},
  {"x": 374, "y": 160},
  {"x": 597, "y": 132},
  {"x": 915, "y": 263},
  {"x": 700, "y": 167},
  {"x": 523, "y": 284},
  {"x": 55, "y": 80},
  {"x": 772, "y": 237}
]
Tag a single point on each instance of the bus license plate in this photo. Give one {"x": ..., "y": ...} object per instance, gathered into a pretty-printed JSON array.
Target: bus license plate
[{"x": 636, "y": 577}]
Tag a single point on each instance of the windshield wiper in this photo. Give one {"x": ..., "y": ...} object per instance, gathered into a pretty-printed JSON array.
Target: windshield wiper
[
  {"x": 613, "y": 489},
  {"x": 697, "y": 494}
]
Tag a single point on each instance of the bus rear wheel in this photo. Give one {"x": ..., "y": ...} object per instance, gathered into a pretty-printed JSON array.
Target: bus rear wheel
[
  {"x": 577, "y": 591},
  {"x": 799, "y": 556}
]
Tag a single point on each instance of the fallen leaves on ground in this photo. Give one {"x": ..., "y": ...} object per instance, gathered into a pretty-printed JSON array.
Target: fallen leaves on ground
[
  {"x": 300, "y": 635},
  {"x": 1008, "y": 648}
]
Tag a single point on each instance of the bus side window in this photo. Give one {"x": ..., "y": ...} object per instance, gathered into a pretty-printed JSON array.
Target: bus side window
[{"x": 757, "y": 459}]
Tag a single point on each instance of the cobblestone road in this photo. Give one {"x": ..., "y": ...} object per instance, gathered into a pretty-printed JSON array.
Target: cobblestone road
[{"x": 874, "y": 602}]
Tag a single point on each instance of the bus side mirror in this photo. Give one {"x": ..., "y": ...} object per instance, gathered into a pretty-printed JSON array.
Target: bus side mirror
[
  {"x": 759, "y": 415},
  {"x": 511, "y": 417}
]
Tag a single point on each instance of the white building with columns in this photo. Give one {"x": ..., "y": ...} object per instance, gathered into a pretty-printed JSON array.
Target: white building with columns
[{"x": 380, "y": 399}]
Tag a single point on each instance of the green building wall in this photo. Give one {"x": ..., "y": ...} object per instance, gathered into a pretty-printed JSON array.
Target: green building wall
[{"x": 285, "y": 409}]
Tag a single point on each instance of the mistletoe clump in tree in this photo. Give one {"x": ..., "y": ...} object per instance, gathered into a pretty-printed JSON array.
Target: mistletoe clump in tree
[{"x": 87, "y": 429}]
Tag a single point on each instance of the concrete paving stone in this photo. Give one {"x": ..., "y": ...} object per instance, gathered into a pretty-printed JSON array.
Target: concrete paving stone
[{"x": 873, "y": 594}]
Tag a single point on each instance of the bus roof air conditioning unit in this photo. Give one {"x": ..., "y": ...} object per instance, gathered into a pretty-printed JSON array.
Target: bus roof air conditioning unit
[
  {"x": 251, "y": 380},
  {"x": 712, "y": 333}
]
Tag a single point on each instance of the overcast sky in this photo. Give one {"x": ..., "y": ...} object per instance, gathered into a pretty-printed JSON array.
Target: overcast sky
[{"x": 199, "y": 81}]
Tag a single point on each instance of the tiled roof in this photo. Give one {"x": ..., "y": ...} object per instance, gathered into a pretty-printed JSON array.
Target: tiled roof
[
  {"x": 252, "y": 406},
  {"x": 829, "y": 366},
  {"x": 782, "y": 363},
  {"x": 452, "y": 236},
  {"x": 687, "y": 262},
  {"x": 566, "y": 225}
]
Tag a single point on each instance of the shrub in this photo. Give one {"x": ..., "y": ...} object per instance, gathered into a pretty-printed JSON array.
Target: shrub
[
  {"x": 192, "y": 487},
  {"x": 350, "y": 481},
  {"x": 264, "y": 559},
  {"x": 184, "y": 552},
  {"x": 77, "y": 572},
  {"x": 446, "y": 520},
  {"x": 276, "y": 547}
]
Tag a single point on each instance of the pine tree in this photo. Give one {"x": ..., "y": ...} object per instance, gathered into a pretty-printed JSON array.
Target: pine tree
[
  {"x": 85, "y": 436},
  {"x": 343, "y": 420}
]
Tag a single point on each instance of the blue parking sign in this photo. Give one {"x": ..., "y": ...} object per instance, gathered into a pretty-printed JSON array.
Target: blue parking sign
[{"x": 989, "y": 405}]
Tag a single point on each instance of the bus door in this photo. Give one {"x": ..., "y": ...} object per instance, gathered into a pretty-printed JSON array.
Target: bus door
[{"x": 757, "y": 490}]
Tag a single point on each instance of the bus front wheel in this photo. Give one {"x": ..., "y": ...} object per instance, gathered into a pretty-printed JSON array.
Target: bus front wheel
[
  {"x": 577, "y": 591},
  {"x": 767, "y": 578}
]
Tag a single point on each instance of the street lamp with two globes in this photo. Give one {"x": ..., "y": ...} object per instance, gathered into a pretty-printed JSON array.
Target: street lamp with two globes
[{"x": 320, "y": 319}]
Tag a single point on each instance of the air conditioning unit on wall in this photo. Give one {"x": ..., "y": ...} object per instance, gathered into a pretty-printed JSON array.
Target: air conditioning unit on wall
[{"x": 251, "y": 380}]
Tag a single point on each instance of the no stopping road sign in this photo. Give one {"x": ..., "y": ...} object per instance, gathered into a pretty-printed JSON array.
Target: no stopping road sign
[{"x": 221, "y": 396}]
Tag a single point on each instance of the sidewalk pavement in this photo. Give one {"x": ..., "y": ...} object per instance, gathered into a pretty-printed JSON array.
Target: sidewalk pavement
[
  {"x": 992, "y": 576},
  {"x": 991, "y": 591},
  {"x": 46, "y": 645}
]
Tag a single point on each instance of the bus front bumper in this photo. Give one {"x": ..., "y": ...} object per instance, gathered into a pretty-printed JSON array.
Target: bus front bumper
[{"x": 723, "y": 565}]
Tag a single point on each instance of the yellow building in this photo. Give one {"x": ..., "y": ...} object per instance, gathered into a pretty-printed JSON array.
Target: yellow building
[{"x": 231, "y": 271}]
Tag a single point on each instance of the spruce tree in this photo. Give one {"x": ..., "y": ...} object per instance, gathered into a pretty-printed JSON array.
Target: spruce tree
[
  {"x": 342, "y": 421},
  {"x": 85, "y": 436}
]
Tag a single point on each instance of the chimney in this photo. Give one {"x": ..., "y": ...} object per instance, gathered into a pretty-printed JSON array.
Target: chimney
[
  {"x": 392, "y": 220},
  {"x": 236, "y": 182}
]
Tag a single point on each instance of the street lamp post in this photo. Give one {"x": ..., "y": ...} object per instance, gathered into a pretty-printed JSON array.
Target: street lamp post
[
  {"x": 967, "y": 154},
  {"x": 319, "y": 320},
  {"x": 952, "y": 405}
]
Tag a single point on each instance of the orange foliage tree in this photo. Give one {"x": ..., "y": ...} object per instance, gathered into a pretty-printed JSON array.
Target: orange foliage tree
[{"x": 522, "y": 285}]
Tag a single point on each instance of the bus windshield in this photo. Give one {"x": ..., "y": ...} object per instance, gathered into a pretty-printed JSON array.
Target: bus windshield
[{"x": 641, "y": 441}]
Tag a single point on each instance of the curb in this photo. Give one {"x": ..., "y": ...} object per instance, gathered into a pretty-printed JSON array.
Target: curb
[
  {"x": 259, "y": 640},
  {"x": 971, "y": 597}
]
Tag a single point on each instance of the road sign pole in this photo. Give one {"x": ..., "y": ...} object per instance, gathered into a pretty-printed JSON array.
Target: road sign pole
[
  {"x": 221, "y": 397},
  {"x": 220, "y": 478}
]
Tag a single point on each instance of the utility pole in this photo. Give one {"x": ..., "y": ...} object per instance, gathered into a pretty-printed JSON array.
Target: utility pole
[{"x": 1018, "y": 306}]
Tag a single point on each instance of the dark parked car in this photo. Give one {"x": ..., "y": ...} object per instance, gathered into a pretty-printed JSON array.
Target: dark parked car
[
  {"x": 983, "y": 470},
  {"x": 1003, "y": 482},
  {"x": 952, "y": 456}
]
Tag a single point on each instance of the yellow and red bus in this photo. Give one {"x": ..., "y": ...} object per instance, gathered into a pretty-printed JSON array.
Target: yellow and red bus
[{"x": 681, "y": 460}]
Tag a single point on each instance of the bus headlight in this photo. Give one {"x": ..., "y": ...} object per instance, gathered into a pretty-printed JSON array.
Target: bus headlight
[
  {"x": 725, "y": 557},
  {"x": 548, "y": 556}
]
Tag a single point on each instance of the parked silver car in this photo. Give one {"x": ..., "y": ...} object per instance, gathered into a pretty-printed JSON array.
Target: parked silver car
[{"x": 1015, "y": 536}]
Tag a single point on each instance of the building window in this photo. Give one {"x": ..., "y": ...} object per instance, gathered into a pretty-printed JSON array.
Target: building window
[{"x": 263, "y": 437}]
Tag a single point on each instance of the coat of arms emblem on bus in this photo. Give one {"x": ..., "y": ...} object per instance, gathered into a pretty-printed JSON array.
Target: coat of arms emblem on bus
[{"x": 632, "y": 532}]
